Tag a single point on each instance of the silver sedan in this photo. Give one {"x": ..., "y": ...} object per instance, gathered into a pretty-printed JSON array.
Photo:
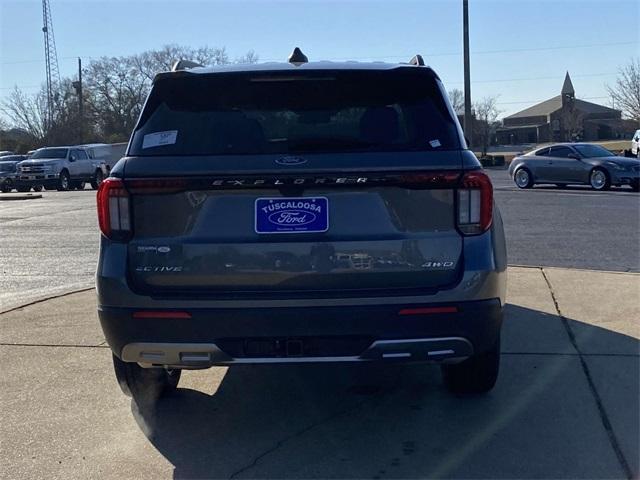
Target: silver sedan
[{"x": 575, "y": 163}]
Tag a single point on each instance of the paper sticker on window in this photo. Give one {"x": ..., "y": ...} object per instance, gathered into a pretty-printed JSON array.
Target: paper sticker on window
[
  {"x": 160, "y": 138},
  {"x": 435, "y": 143}
]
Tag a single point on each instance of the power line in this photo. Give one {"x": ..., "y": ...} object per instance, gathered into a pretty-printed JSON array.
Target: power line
[
  {"x": 538, "y": 101},
  {"x": 479, "y": 52},
  {"x": 407, "y": 56},
  {"x": 523, "y": 79}
]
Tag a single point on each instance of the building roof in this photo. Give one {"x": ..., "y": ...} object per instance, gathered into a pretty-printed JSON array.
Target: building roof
[
  {"x": 549, "y": 106},
  {"x": 541, "y": 109},
  {"x": 567, "y": 86}
]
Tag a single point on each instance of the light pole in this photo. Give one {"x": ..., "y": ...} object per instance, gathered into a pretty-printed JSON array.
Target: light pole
[
  {"x": 468, "y": 123},
  {"x": 78, "y": 87}
]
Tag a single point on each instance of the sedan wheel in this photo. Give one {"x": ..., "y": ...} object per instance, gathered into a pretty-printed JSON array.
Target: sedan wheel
[
  {"x": 523, "y": 178},
  {"x": 599, "y": 179}
]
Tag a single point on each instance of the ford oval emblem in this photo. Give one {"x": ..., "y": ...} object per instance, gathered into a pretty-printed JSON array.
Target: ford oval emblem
[
  {"x": 291, "y": 161},
  {"x": 292, "y": 218}
]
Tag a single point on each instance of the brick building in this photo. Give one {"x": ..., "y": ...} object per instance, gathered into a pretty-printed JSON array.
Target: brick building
[{"x": 560, "y": 119}]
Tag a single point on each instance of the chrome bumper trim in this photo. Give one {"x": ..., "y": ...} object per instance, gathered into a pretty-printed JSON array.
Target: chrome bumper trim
[{"x": 203, "y": 355}]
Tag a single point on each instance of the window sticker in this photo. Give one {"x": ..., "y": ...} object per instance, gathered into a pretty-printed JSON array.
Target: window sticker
[
  {"x": 160, "y": 138},
  {"x": 435, "y": 143}
]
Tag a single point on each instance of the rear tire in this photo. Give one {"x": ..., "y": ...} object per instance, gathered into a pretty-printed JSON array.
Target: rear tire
[
  {"x": 64, "y": 181},
  {"x": 145, "y": 385},
  {"x": 97, "y": 179},
  {"x": 38, "y": 188},
  {"x": 7, "y": 186},
  {"x": 635, "y": 185},
  {"x": 523, "y": 178},
  {"x": 477, "y": 374}
]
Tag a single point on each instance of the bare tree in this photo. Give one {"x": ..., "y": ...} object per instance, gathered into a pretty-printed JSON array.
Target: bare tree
[
  {"x": 29, "y": 113},
  {"x": 116, "y": 90},
  {"x": 572, "y": 124},
  {"x": 26, "y": 112},
  {"x": 457, "y": 100},
  {"x": 626, "y": 92},
  {"x": 485, "y": 124},
  {"x": 249, "y": 57}
]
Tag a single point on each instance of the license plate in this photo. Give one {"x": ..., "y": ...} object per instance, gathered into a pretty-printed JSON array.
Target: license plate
[{"x": 292, "y": 215}]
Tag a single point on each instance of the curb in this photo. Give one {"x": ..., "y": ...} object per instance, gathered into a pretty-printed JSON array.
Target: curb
[
  {"x": 26, "y": 196},
  {"x": 546, "y": 267}
]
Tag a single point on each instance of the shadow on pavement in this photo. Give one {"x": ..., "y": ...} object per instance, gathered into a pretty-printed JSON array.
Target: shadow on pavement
[{"x": 395, "y": 421}]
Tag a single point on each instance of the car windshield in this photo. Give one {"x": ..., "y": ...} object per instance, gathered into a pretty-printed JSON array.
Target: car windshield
[
  {"x": 310, "y": 112},
  {"x": 50, "y": 153},
  {"x": 593, "y": 151}
]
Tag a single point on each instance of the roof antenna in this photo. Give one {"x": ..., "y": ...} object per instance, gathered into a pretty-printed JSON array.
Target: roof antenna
[{"x": 297, "y": 57}]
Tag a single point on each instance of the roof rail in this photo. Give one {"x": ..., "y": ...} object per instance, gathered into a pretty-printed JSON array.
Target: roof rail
[
  {"x": 184, "y": 65},
  {"x": 417, "y": 60}
]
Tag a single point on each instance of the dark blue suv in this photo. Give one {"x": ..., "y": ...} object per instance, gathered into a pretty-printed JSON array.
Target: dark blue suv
[{"x": 299, "y": 212}]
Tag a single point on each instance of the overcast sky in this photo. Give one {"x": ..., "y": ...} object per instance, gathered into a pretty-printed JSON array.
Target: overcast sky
[{"x": 520, "y": 49}]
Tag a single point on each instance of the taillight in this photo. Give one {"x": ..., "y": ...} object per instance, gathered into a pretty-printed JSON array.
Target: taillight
[
  {"x": 475, "y": 203},
  {"x": 114, "y": 216}
]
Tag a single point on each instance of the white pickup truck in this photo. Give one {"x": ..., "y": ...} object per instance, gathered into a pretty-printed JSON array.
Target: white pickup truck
[{"x": 61, "y": 168}]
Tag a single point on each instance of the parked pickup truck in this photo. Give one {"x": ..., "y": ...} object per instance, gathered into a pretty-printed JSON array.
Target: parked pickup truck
[{"x": 61, "y": 168}]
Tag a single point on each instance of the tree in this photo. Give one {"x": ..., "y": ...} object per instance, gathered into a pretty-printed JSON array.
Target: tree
[
  {"x": 151, "y": 62},
  {"x": 249, "y": 57},
  {"x": 626, "y": 92},
  {"x": 457, "y": 100},
  {"x": 485, "y": 124},
  {"x": 115, "y": 93},
  {"x": 29, "y": 113}
]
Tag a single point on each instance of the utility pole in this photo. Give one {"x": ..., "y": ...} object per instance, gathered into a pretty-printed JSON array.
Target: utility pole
[
  {"x": 468, "y": 121},
  {"x": 78, "y": 87}
]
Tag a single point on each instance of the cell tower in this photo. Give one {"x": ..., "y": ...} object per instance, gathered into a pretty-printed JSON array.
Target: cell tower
[{"x": 51, "y": 58}]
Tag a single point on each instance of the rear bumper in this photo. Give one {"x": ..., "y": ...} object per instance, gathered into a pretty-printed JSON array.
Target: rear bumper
[{"x": 289, "y": 335}]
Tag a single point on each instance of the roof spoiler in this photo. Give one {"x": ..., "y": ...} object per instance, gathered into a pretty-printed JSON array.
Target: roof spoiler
[
  {"x": 417, "y": 60},
  {"x": 184, "y": 65}
]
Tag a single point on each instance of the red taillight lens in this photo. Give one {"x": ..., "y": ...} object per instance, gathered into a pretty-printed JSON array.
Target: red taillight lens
[
  {"x": 114, "y": 215},
  {"x": 475, "y": 203}
]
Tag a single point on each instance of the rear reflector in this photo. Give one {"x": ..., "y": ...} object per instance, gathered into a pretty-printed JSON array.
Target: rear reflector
[
  {"x": 427, "y": 310},
  {"x": 161, "y": 314},
  {"x": 475, "y": 203},
  {"x": 114, "y": 215}
]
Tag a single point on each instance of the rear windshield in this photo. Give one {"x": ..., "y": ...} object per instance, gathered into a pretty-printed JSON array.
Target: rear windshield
[
  {"x": 308, "y": 112},
  {"x": 50, "y": 153}
]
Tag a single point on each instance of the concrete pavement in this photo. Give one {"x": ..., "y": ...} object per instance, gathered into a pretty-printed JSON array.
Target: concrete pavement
[{"x": 566, "y": 403}]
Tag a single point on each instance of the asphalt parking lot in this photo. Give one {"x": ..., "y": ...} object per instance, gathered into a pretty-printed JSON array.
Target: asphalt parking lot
[
  {"x": 50, "y": 245},
  {"x": 566, "y": 404}
]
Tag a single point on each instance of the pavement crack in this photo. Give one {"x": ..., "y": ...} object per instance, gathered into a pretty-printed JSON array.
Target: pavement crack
[
  {"x": 604, "y": 418},
  {"x": 46, "y": 299},
  {"x": 294, "y": 435}
]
